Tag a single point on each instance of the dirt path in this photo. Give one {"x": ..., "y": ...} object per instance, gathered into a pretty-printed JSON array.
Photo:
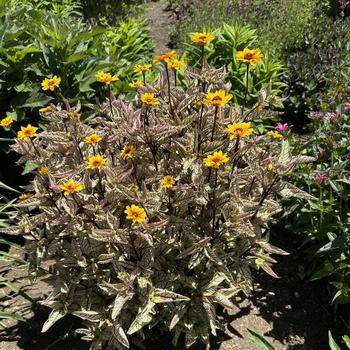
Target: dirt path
[{"x": 159, "y": 20}]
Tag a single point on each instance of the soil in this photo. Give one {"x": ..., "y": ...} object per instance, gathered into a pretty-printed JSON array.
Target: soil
[{"x": 159, "y": 19}]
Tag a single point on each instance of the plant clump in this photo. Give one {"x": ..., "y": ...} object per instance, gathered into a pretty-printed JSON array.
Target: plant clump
[{"x": 152, "y": 212}]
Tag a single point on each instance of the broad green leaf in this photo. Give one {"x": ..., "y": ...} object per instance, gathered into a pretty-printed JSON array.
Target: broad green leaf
[{"x": 28, "y": 168}]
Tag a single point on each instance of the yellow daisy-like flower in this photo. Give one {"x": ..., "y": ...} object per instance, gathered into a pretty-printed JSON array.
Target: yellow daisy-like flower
[
  {"x": 24, "y": 196},
  {"x": 168, "y": 181},
  {"x": 136, "y": 84},
  {"x": 270, "y": 167},
  {"x": 202, "y": 38},
  {"x": 176, "y": 64},
  {"x": 149, "y": 99},
  {"x": 128, "y": 151},
  {"x": 275, "y": 134},
  {"x": 171, "y": 55},
  {"x": 51, "y": 83},
  {"x": 135, "y": 213},
  {"x": 74, "y": 116},
  {"x": 216, "y": 159},
  {"x": 44, "y": 170},
  {"x": 45, "y": 109},
  {"x": 252, "y": 57},
  {"x": 217, "y": 98},
  {"x": 6, "y": 122},
  {"x": 107, "y": 78},
  {"x": 96, "y": 162},
  {"x": 27, "y": 132},
  {"x": 239, "y": 129},
  {"x": 71, "y": 187},
  {"x": 142, "y": 68},
  {"x": 93, "y": 139}
]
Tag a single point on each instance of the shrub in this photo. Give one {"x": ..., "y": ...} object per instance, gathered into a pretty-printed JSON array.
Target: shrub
[
  {"x": 319, "y": 62},
  {"x": 324, "y": 224},
  {"x": 37, "y": 43},
  {"x": 152, "y": 212}
]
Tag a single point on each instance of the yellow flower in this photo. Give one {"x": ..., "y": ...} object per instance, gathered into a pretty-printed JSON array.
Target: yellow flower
[
  {"x": 239, "y": 130},
  {"x": 134, "y": 188},
  {"x": 135, "y": 213},
  {"x": 27, "y": 132},
  {"x": 6, "y": 122},
  {"x": 216, "y": 159},
  {"x": 51, "y": 83},
  {"x": 176, "y": 64},
  {"x": 270, "y": 167},
  {"x": 96, "y": 162},
  {"x": 93, "y": 139},
  {"x": 136, "y": 84},
  {"x": 149, "y": 99},
  {"x": 106, "y": 78},
  {"x": 202, "y": 38},
  {"x": 252, "y": 57},
  {"x": 74, "y": 116},
  {"x": 168, "y": 181},
  {"x": 217, "y": 98},
  {"x": 71, "y": 187},
  {"x": 166, "y": 57},
  {"x": 44, "y": 170},
  {"x": 45, "y": 109},
  {"x": 24, "y": 196},
  {"x": 128, "y": 151},
  {"x": 142, "y": 68},
  {"x": 275, "y": 134}
]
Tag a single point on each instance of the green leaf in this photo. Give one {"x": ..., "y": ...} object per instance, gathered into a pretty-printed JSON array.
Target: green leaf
[
  {"x": 260, "y": 340},
  {"x": 11, "y": 316},
  {"x": 54, "y": 316},
  {"x": 6, "y": 187},
  {"x": 284, "y": 156},
  {"x": 28, "y": 168},
  {"x": 120, "y": 335},
  {"x": 332, "y": 344},
  {"x": 346, "y": 341}
]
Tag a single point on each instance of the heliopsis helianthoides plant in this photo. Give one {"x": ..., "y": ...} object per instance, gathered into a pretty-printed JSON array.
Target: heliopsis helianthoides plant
[{"x": 150, "y": 213}]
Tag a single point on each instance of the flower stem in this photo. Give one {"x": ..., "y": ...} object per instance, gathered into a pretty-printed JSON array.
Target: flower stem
[
  {"x": 169, "y": 92},
  {"x": 214, "y": 124},
  {"x": 144, "y": 78},
  {"x": 202, "y": 56},
  {"x": 110, "y": 99},
  {"x": 214, "y": 201},
  {"x": 246, "y": 89}
]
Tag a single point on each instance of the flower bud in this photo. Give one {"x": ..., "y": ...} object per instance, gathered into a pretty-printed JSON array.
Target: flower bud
[
  {"x": 317, "y": 116},
  {"x": 320, "y": 179}
]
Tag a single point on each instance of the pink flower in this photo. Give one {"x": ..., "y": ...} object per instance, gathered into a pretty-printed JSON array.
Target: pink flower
[
  {"x": 317, "y": 116},
  {"x": 320, "y": 179},
  {"x": 282, "y": 127},
  {"x": 334, "y": 117},
  {"x": 347, "y": 106}
]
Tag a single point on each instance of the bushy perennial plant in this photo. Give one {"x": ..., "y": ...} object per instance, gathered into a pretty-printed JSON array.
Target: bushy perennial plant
[{"x": 152, "y": 212}]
